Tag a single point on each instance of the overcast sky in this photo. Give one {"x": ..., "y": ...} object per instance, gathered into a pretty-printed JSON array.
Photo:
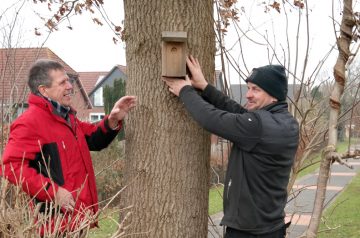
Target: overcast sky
[
  {"x": 282, "y": 31},
  {"x": 89, "y": 47}
]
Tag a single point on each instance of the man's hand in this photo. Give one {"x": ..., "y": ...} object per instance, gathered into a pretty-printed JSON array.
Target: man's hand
[
  {"x": 175, "y": 85},
  {"x": 121, "y": 109},
  {"x": 197, "y": 78},
  {"x": 64, "y": 199}
]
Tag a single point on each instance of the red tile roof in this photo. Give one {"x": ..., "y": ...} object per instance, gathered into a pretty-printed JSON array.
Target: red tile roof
[
  {"x": 122, "y": 68},
  {"x": 89, "y": 79},
  {"x": 15, "y": 64}
]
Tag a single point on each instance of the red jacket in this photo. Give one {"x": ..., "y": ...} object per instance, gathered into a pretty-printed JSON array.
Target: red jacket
[{"x": 65, "y": 149}]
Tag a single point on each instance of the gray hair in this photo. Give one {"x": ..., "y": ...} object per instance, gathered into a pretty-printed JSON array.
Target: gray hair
[{"x": 39, "y": 73}]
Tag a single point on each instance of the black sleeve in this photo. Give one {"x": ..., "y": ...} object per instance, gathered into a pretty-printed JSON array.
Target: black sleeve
[
  {"x": 220, "y": 101},
  {"x": 241, "y": 129},
  {"x": 47, "y": 162},
  {"x": 99, "y": 139}
]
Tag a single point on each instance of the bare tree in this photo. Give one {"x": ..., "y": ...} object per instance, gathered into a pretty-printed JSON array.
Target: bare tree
[
  {"x": 329, "y": 152},
  {"x": 311, "y": 81},
  {"x": 164, "y": 146}
]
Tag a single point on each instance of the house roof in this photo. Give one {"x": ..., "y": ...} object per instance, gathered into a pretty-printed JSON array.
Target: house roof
[
  {"x": 100, "y": 83},
  {"x": 122, "y": 68},
  {"x": 89, "y": 79},
  {"x": 238, "y": 91},
  {"x": 15, "y": 64}
]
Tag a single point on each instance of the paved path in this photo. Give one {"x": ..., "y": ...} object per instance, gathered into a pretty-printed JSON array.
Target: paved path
[{"x": 300, "y": 208}]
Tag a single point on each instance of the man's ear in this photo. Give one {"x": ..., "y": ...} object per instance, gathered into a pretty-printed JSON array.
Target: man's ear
[{"x": 42, "y": 90}]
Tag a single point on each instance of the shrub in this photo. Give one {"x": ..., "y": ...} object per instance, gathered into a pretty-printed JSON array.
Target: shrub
[{"x": 108, "y": 166}]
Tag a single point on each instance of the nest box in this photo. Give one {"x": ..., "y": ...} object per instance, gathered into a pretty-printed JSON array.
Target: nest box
[{"x": 174, "y": 54}]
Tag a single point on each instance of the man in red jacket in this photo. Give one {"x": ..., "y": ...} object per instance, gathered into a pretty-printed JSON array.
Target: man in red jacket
[{"x": 48, "y": 151}]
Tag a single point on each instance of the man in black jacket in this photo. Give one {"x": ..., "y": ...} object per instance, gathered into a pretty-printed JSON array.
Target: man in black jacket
[{"x": 265, "y": 139}]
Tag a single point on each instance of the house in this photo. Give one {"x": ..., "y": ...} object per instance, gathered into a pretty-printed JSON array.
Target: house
[
  {"x": 238, "y": 92},
  {"x": 96, "y": 93},
  {"x": 15, "y": 64},
  {"x": 90, "y": 80}
]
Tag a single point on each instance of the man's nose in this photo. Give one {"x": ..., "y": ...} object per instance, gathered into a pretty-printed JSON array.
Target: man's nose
[
  {"x": 249, "y": 94},
  {"x": 69, "y": 85}
]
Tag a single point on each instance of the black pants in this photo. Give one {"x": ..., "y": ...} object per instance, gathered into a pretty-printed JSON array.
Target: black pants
[{"x": 233, "y": 233}]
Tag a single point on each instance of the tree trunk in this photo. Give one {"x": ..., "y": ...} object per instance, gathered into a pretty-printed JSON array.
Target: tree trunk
[
  {"x": 167, "y": 153},
  {"x": 343, "y": 43}
]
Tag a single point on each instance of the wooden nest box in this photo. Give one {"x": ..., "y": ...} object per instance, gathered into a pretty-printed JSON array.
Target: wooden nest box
[{"x": 174, "y": 54}]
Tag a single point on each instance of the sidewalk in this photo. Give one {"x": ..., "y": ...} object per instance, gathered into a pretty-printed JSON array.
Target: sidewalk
[{"x": 301, "y": 208}]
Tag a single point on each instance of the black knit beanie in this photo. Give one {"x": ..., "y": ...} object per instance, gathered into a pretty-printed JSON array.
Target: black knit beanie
[{"x": 272, "y": 79}]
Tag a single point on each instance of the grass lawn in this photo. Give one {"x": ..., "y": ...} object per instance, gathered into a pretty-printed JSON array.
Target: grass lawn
[
  {"x": 216, "y": 199},
  {"x": 107, "y": 226},
  {"x": 343, "y": 215}
]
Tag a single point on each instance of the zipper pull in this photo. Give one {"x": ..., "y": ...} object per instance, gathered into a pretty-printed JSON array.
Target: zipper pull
[{"x": 227, "y": 192}]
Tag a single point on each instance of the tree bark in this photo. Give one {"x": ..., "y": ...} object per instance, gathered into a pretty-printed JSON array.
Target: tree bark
[
  {"x": 167, "y": 153},
  {"x": 343, "y": 43}
]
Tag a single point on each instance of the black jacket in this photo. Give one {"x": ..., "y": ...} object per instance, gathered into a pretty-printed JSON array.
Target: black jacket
[{"x": 264, "y": 146}]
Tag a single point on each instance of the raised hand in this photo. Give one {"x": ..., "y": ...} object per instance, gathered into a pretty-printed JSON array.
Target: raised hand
[
  {"x": 197, "y": 78},
  {"x": 175, "y": 85},
  {"x": 121, "y": 109}
]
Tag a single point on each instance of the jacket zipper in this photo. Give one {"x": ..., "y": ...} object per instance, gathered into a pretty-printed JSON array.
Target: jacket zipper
[
  {"x": 75, "y": 128},
  {"x": 227, "y": 192}
]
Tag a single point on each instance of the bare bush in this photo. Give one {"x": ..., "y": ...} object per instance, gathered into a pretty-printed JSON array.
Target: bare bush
[
  {"x": 108, "y": 165},
  {"x": 20, "y": 217}
]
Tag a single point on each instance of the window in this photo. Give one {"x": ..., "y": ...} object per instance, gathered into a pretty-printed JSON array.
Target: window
[
  {"x": 98, "y": 98},
  {"x": 94, "y": 117}
]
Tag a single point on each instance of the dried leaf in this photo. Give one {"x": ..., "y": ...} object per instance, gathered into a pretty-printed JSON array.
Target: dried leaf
[
  {"x": 267, "y": 9},
  {"x": 57, "y": 17},
  {"x": 97, "y": 21},
  {"x": 118, "y": 28},
  {"x": 299, "y": 4},
  {"x": 276, "y": 6},
  {"x": 88, "y": 3},
  {"x": 78, "y": 8},
  {"x": 123, "y": 35},
  {"x": 62, "y": 10},
  {"x": 51, "y": 25},
  {"x": 37, "y": 32}
]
